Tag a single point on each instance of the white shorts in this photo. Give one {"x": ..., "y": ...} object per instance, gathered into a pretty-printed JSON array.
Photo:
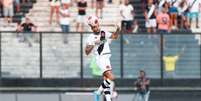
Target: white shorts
[
  {"x": 81, "y": 18},
  {"x": 150, "y": 23},
  {"x": 8, "y": 11},
  {"x": 57, "y": 3},
  {"x": 103, "y": 62}
]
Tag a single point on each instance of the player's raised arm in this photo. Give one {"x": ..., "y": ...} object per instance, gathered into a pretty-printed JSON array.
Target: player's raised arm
[
  {"x": 88, "y": 49},
  {"x": 116, "y": 33}
]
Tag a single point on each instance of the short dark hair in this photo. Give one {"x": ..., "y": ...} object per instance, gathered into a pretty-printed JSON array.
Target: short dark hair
[{"x": 143, "y": 72}]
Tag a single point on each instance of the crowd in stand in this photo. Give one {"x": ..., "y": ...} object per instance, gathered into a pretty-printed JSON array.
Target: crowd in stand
[
  {"x": 170, "y": 14},
  {"x": 161, "y": 15},
  {"x": 9, "y": 7}
]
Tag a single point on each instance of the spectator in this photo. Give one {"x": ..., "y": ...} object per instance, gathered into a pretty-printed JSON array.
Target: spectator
[
  {"x": 54, "y": 7},
  {"x": 182, "y": 10},
  {"x": 194, "y": 6},
  {"x": 173, "y": 13},
  {"x": 64, "y": 20},
  {"x": 145, "y": 2},
  {"x": 150, "y": 16},
  {"x": 99, "y": 8},
  {"x": 1, "y": 8},
  {"x": 127, "y": 14},
  {"x": 163, "y": 21},
  {"x": 82, "y": 5},
  {"x": 66, "y": 2},
  {"x": 166, "y": 6},
  {"x": 17, "y": 4},
  {"x": 8, "y": 10},
  {"x": 142, "y": 85},
  {"x": 161, "y": 4},
  {"x": 27, "y": 28},
  {"x": 170, "y": 63}
]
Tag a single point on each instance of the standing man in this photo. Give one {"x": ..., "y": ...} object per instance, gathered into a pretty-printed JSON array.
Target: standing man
[
  {"x": 170, "y": 61},
  {"x": 150, "y": 17},
  {"x": 8, "y": 10},
  {"x": 98, "y": 43},
  {"x": 193, "y": 7},
  {"x": 82, "y": 5},
  {"x": 127, "y": 14},
  {"x": 142, "y": 85},
  {"x": 64, "y": 21}
]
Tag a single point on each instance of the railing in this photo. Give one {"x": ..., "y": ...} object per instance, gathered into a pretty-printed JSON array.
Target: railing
[{"x": 45, "y": 55}]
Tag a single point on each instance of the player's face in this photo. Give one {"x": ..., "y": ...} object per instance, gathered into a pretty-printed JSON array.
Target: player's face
[
  {"x": 95, "y": 28},
  {"x": 142, "y": 74}
]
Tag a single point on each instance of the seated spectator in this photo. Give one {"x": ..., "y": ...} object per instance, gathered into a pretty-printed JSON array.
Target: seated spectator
[
  {"x": 82, "y": 5},
  {"x": 8, "y": 10},
  {"x": 150, "y": 16},
  {"x": 99, "y": 8},
  {"x": 54, "y": 4},
  {"x": 127, "y": 14},
  {"x": 64, "y": 20},
  {"x": 27, "y": 28},
  {"x": 194, "y": 6},
  {"x": 163, "y": 20}
]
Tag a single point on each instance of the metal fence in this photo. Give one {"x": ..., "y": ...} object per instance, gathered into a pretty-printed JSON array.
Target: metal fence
[{"x": 59, "y": 55}]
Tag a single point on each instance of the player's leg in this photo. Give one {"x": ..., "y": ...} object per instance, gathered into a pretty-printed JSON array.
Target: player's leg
[
  {"x": 104, "y": 64},
  {"x": 109, "y": 78}
]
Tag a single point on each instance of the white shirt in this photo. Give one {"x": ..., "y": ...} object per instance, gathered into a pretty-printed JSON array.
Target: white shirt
[
  {"x": 195, "y": 7},
  {"x": 127, "y": 11},
  {"x": 64, "y": 20},
  {"x": 93, "y": 38}
]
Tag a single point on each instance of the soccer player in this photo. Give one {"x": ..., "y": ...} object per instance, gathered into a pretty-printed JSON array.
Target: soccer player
[{"x": 98, "y": 43}]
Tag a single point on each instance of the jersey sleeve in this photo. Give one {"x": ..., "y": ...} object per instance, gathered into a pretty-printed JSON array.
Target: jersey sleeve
[{"x": 90, "y": 41}]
